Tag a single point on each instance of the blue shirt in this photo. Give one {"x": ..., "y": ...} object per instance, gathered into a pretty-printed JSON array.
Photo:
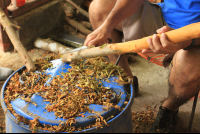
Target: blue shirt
[{"x": 179, "y": 13}]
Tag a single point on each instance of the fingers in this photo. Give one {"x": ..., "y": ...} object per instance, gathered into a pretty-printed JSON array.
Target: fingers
[
  {"x": 164, "y": 29},
  {"x": 154, "y": 44},
  {"x": 94, "y": 40},
  {"x": 146, "y": 51},
  {"x": 87, "y": 40},
  {"x": 167, "y": 44},
  {"x": 103, "y": 42},
  {"x": 158, "y": 46}
]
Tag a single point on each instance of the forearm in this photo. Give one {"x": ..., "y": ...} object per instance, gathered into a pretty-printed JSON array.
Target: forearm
[
  {"x": 187, "y": 43},
  {"x": 122, "y": 10}
]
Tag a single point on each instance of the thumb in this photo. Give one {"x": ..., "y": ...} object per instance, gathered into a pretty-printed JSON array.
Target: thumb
[{"x": 164, "y": 29}]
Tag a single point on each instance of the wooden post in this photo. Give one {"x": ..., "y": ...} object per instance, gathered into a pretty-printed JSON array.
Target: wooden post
[
  {"x": 7, "y": 26},
  {"x": 4, "y": 39}
]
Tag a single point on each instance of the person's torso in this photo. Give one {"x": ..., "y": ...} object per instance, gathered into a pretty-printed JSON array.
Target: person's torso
[{"x": 179, "y": 13}]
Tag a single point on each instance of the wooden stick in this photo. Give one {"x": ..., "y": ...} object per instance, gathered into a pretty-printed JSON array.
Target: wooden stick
[
  {"x": 50, "y": 45},
  {"x": 72, "y": 31},
  {"x": 182, "y": 34},
  {"x": 86, "y": 24},
  {"x": 5, "y": 22},
  {"x": 81, "y": 35},
  {"x": 68, "y": 9},
  {"x": 78, "y": 26},
  {"x": 15, "y": 26},
  {"x": 83, "y": 12}
]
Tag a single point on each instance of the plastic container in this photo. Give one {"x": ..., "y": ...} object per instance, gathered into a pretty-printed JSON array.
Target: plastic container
[
  {"x": 20, "y": 3},
  {"x": 121, "y": 123}
]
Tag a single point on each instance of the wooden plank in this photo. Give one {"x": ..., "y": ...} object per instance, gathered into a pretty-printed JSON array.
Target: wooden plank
[{"x": 31, "y": 4}]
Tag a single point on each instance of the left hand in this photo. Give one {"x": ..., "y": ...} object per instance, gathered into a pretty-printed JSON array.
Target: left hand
[
  {"x": 163, "y": 45},
  {"x": 99, "y": 36}
]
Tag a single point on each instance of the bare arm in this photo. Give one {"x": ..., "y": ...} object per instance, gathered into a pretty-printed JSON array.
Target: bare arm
[{"x": 121, "y": 10}]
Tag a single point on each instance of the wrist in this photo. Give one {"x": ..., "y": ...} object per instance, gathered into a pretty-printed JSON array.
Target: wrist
[
  {"x": 192, "y": 44},
  {"x": 112, "y": 21},
  {"x": 108, "y": 25}
]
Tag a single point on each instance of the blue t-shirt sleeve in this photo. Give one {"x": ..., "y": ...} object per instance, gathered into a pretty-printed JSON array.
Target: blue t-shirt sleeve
[{"x": 179, "y": 13}]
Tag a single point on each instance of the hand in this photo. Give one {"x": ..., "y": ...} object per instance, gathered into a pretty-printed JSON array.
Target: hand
[
  {"x": 98, "y": 37},
  {"x": 162, "y": 45},
  {"x": 4, "y": 4}
]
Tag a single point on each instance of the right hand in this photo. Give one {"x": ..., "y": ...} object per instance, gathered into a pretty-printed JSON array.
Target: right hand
[
  {"x": 99, "y": 36},
  {"x": 161, "y": 45},
  {"x": 4, "y": 3}
]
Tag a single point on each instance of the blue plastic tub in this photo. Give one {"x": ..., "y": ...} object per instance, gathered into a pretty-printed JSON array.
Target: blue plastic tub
[{"x": 121, "y": 123}]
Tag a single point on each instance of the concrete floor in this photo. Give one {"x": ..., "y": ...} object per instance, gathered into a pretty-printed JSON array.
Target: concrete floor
[{"x": 152, "y": 82}]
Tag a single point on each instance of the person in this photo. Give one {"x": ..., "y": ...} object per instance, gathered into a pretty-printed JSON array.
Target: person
[
  {"x": 5, "y": 72},
  {"x": 125, "y": 20}
]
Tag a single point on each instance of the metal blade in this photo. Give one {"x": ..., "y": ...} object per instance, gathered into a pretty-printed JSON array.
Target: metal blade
[
  {"x": 71, "y": 38},
  {"x": 68, "y": 40},
  {"x": 76, "y": 49}
]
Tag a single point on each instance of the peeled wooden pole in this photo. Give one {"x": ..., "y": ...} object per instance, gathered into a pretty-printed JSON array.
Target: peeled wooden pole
[
  {"x": 50, "y": 45},
  {"x": 7, "y": 25},
  {"x": 182, "y": 34}
]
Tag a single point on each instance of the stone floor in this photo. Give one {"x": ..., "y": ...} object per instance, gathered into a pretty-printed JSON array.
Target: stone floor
[{"x": 152, "y": 82}]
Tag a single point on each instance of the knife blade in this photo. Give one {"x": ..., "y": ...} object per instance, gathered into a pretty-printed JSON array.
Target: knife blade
[
  {"x": 76, "y": 49},
  {"x": 69, "y": 40}
]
